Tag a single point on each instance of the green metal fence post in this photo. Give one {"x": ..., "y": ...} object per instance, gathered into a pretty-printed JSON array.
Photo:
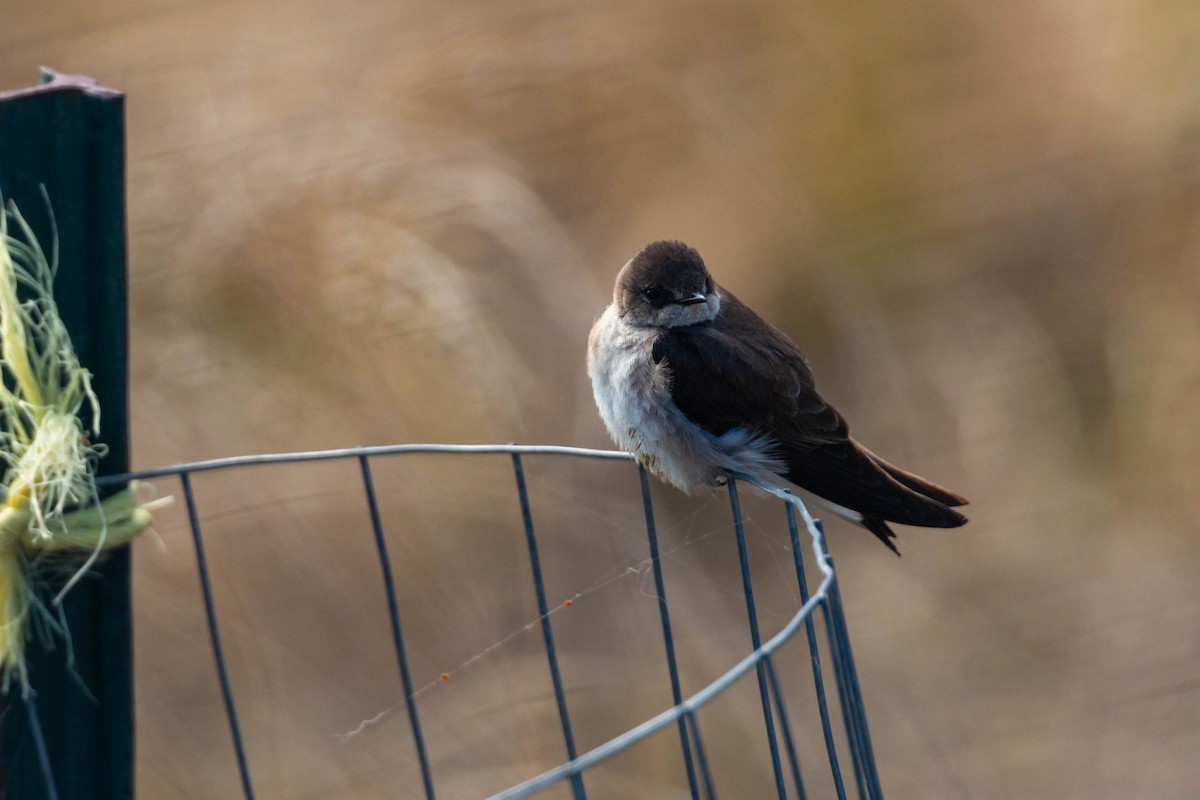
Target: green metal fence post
[{"x": 68, "y": 135}]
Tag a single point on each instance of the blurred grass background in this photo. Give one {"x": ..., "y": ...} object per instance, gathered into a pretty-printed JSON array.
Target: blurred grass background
[{"x": 375, "y": 223}]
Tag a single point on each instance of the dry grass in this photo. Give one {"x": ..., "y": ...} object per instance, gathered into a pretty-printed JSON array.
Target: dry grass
[{"x": 357, "y": 224}]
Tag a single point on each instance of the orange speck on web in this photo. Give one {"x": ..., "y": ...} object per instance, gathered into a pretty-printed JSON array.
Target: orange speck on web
[
  {"x": 445, "y": 676},
  {"x": 568, "y": 602}
]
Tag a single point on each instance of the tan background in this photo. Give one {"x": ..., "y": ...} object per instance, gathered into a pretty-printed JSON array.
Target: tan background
[{"x": 376, "y": 223}]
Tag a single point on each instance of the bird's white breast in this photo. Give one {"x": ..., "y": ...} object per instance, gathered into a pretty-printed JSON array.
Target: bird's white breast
[{"x": 633, "y": 394}]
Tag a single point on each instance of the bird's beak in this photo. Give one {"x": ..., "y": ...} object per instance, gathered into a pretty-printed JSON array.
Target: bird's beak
[{"x": 698, "y": 297}]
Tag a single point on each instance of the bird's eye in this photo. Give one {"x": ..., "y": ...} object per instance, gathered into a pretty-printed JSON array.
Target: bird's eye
[{"x": 653, "y": 295}]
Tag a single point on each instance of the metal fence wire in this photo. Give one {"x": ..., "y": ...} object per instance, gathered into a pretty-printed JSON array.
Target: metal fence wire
[{"x": 845, "y": 711}]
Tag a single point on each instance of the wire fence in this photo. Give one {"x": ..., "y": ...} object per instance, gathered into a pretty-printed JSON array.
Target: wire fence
[{"x": 702, "y": 779}]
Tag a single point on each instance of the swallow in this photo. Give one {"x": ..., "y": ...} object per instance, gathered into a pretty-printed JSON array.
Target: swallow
[{"x": 700, "y": 388}]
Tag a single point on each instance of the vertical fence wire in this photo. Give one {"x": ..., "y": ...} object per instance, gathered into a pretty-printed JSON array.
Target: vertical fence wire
[
  {"x": 856, "y": 718},
  {"x": 389, "y": 587},
  {"x": 839, "y": 668},
  {"x": 710, "y": 792},
  {"x": 215, "y": 636},
  {"x": 789, "y": 745},
  {"x": 814, "y": 654},
  {"x": 668, "y": 640},
  {"x": 755, "y": 639},
  {"x": 547, "y": 632}
]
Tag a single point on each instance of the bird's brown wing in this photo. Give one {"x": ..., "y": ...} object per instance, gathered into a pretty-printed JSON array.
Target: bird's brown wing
[{"x": 738, "y": 371}]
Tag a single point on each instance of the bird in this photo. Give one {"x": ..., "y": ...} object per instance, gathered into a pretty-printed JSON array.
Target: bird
[{"x": 699, "y": 389}]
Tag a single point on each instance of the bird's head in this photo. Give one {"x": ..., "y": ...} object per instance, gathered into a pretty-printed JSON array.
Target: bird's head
[{"x": 666, "y": 285}]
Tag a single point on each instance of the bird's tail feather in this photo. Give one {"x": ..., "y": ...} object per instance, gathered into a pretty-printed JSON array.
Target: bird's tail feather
[
  {"x": 883, "y": 532},
  {"x": 917, "y": 483}
]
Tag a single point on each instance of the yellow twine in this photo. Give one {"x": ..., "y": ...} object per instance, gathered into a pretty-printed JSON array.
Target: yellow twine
[{"x": 49, "y": 458}]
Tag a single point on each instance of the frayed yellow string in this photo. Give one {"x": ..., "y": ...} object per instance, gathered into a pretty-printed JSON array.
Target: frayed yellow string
[{"x": 49, "y": 458}]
